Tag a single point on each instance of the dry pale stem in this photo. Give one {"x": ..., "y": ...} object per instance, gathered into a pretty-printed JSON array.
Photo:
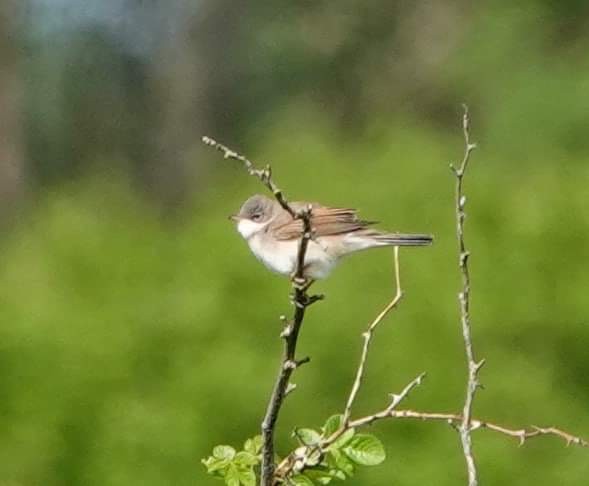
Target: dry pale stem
[
  {"x": 456, "y": 420},
  {"x": 464, "y": 300},
  {"x": 367, "y": 336},
  {"x": 396, "y": 399}
]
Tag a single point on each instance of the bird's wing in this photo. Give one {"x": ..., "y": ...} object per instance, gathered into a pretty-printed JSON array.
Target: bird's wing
[{"x": 324, "y": 222}]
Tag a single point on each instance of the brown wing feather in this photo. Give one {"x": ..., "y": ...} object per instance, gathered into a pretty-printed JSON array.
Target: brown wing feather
[{"x": 324, "y": 221}]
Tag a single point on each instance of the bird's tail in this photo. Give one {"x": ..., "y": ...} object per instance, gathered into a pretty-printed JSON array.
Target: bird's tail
[{"x": 400, "y": 239}]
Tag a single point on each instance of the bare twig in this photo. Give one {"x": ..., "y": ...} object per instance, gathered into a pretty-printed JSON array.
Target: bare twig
[
  {"x": 367, "y": 336},
  {"x": 456, "y": 420},
  {"x": 265, "y": 174},
  {"x": 396, "y": 399},
  {"x": 290, "y": 333},
  {"x": 465, "y": 426}
]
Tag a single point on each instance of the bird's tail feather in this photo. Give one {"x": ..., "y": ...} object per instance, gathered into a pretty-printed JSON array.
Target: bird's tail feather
[{"x": 399, "y": 239}]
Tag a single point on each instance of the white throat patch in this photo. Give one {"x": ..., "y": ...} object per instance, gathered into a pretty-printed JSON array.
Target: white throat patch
[{"x": 247, "y": 228}]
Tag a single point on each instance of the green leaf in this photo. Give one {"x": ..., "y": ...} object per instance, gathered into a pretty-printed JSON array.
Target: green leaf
[
  {"x": 253, "y": 445},
  {"x": 215, "y": 465},
  {"x": 333, "y": 424},
  {"x": 314, "y": 456},
  {"x": 308, "y": 436},
  {"x": 224, "y": 452},
  {"x": 301, "y": 480},
  {"x": 365, "y": 449},
  {"x": 232, "y": 476},
  {"x": 243, "y": 458},
  {"x": 343, "y": 439},
  {"x": 321, "y": 476},
  {"x": 337, "y": 474},
  {"x": 258, "y": 441},
  {"x": 247, "y": 477},
  {"x": 249, "y": 446},
  {"x": 341, "y": 465}
]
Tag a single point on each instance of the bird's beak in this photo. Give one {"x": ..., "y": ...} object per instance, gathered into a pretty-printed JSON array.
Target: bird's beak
[{"x": 234, "y": 217}]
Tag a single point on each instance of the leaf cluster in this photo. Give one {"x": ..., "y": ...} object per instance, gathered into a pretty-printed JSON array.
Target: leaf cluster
[
  {"x": 333, "y": 453},
  {"x": 236, "y": 468}
]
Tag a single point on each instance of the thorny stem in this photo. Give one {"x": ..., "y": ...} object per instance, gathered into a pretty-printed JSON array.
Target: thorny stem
[
  {"x": 367, "y": 336},
  {"x": 465, "y": 426},
  {"x": 396, "y": 399},
  {"x": 290, "y": 333},
  {"x": 289, "y": 363},
  {"x": 456, "y": 420}
]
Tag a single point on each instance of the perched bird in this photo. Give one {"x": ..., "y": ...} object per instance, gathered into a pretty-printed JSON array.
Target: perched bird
[{"x": 273, "y": 235}]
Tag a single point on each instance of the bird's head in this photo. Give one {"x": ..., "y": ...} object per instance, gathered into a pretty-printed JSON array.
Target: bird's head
[{"x": 255, "y": 214}]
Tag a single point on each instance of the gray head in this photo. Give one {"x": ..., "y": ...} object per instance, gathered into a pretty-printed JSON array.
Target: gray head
[{"x": 254, "y": 215}]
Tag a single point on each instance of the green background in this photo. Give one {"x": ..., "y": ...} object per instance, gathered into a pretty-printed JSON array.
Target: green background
[{"x": 134, "y": 339}]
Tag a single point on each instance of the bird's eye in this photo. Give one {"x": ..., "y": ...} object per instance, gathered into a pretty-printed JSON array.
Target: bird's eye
[{"x": 257, "y": 217}]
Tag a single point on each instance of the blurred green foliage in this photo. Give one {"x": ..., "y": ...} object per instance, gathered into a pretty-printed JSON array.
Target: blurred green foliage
[{"x": 131, "y": 343}]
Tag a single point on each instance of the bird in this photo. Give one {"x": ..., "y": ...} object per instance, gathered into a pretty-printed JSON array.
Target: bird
[{"x": 273, "y": 235}]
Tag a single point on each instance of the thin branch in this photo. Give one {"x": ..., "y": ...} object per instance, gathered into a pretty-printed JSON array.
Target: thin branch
[
  {"x": 289, "y": 362},
  {"x": 396, "y": 399},
  {"x": 265, "y": 174},
  {"x": 456, "y": 420},
  {"x": 367, "y": 336},
  {"x": 290, "y": 333},
  {"x": 464, "y": 300}
]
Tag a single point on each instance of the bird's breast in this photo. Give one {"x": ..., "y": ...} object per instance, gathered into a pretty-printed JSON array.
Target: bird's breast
[
  {"x": 281, "y": 256},
  {"x": 278, "y": 256}
]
